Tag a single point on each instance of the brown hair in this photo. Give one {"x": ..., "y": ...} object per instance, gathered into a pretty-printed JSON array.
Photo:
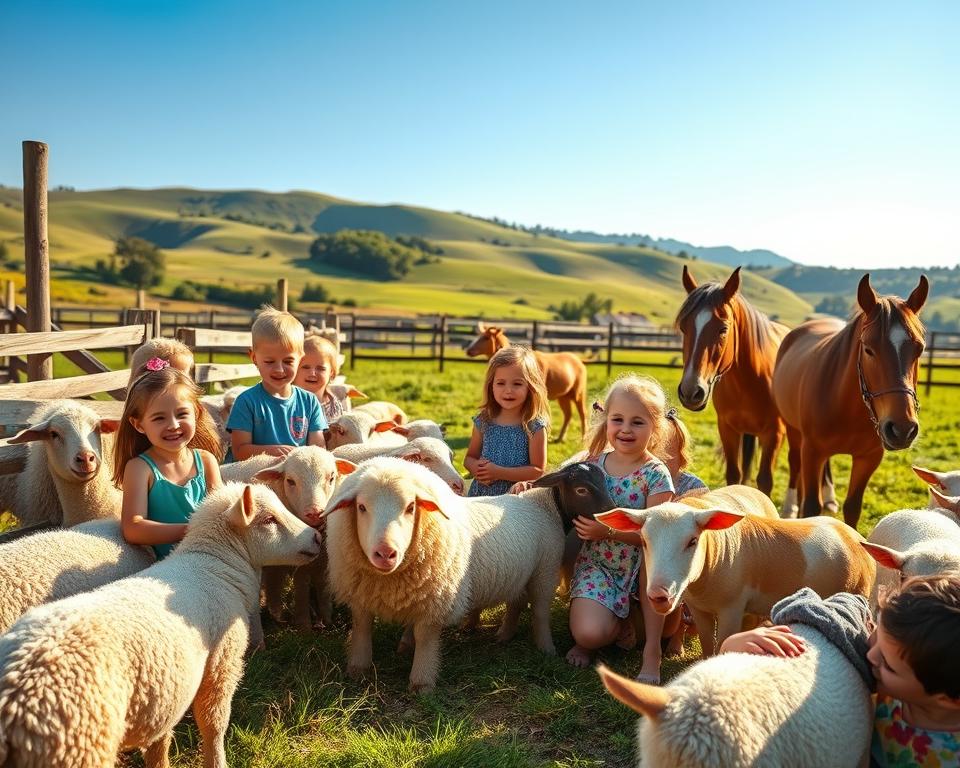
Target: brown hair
[
  {"x": 130, "y": 443},
  {"x": 923, "y": 617},
  {"x": 536, "y": 405},
  {"x": 314, "y": 343},
  {"x": 166, "y": 349},
  {"x": 649, "y": 392},
  {"x": 274, "y": 326}
]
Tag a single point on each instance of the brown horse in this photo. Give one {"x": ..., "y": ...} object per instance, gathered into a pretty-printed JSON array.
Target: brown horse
[
  {"x": 564, "y": 373},
  {"x": 851, "y": 388},
  {"x": 729, "y": 350}
]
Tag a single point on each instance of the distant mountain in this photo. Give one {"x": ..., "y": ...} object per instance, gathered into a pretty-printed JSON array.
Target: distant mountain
[{"x": 719, "y": 254}]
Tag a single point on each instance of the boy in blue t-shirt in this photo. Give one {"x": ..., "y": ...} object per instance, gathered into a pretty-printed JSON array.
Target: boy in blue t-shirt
[{"x": 274, "y": 416}]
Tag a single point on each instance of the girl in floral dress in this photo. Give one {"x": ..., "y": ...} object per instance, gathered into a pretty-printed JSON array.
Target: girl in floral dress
[{"x": 634, "y": 424}]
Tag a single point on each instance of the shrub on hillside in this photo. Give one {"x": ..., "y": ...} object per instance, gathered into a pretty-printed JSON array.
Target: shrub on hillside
[
  {"x": 371, "y": 254},
  {"x": 577, "y": 311},
  {"x": 313, "y": 292},
  {"x": 249, "y": 298}
]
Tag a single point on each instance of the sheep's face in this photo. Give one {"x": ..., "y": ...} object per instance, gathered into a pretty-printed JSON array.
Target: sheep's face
[
  {"x": 351, "y": 428},
  {"x": 72, "y": 437},
  {"x": 671, "y": 542},
  {"x": 436, "y": 456},
  {"x": 935, "y": 557},
  {"x": 582, "y": 489},
  {"x": 308, "y": 476},
  {"x": 273, "y": 535}
]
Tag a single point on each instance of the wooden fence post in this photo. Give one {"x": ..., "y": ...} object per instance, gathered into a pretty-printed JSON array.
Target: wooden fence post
[
  {"x": 930, "y": 351},
  {"x": 213, "y": 324},
  {"x": 533, "y": 338},
  {"x": 609, "y": 347},
  {"x": 282, "y": 296},
  {"x": 353, "y": 340},
  {"x": 443, "y": 339},
  {"x": 141, "y": 298},
  {"x": 10, "y": 304},
  {"x": 36, "y": 251}
]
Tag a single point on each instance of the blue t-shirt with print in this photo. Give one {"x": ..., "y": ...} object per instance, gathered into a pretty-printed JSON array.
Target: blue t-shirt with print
[{"x": 274, "y": 420}]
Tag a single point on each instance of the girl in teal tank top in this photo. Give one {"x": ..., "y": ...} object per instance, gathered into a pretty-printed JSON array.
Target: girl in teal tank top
[{"x": 165, "y": 426}]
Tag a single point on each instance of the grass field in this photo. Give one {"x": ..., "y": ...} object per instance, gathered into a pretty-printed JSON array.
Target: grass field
[{"x": 494, "y": 706}]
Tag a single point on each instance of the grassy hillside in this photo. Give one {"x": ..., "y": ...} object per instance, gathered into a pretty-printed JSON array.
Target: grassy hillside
[{"x": 248, "y": 238}]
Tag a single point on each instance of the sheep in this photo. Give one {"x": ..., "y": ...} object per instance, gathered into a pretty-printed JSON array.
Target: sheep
[
  {"x": 358, "y": 427},
  {"x": 432, "y": 453},
  {"x": 382, "y": 410},
  {"x": 912, "y": 542},
  {"x": 724, "y": 561},
  {"x": 66, "y": 479},
  {"x": 303, "y": 480},
  {"x": 944, "y": 490},
  {"x": 57, "y": 563},
  {"x": 343, "y": 392},
  {"x": 402, "y": 546},
  {"x": 419, "y": 428},
  {"x": 738, "y": 710},
  {"x": 113, "y": 669}
]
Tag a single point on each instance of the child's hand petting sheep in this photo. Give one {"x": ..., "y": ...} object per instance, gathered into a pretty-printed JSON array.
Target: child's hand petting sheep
[
  {"x": 589, "y": 529},
  {"x": 523, "y": 485},
  {"x": 765, "y": 641}
]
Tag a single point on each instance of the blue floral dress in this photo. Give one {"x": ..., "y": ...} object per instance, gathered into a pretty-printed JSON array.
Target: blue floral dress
[
  {"x": 606, "y": 570},
  {"x": 687, "y": 482},
  {"x": 506, "y": 445}
]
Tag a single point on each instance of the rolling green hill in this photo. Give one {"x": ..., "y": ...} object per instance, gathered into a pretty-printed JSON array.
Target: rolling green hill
[{"x": 248, "y": 238}]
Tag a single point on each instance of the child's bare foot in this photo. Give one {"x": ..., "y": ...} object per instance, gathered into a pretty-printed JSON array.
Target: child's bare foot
[
  {"x": 627, "y": 639},
  {"x": 579, "y": 656},
  {"x": 650, "y": 671}
]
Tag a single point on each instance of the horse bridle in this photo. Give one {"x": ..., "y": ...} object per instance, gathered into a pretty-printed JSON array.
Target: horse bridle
[{"x": 869, "y": 397}]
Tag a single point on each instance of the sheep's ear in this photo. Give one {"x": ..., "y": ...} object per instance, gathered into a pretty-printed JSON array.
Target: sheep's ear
[
  {"x": 415, "y": 456},
  {"x": 268, "y": 475},
  {"x": 689, "y": 284},
  {"x": 918, "y": 296},
  {"x": 548, "y": 481},
  {"x": 345, "y": 467},
  {"x": 243, "y": 512},
  {"x": 929, "y": 476},
  {"x": 951, "y": 503},
  {"x": 382, "y": 426},
  {"x": 888, "y": 558},
  {"x": 866, "y": 297},
  {"x": 108, "y": 426},
  {"x": 352, "y": 391},
  {"x": 338, "y": 429},
  {"x": 732, "y": 285},
  {"x": 443, "y": 430},
  {"x": 342, "y": 504},
  {"x": 647, "y": 700},
  {"x": 32, "y": 433},
  {"x": 400, "y": 430},
  {"x": 426, "y": 505},
  {"x": 628, "y": 520},
  {"x": 717, "y": 519}
]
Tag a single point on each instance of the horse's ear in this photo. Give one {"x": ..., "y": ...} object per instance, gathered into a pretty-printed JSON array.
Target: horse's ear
[
  {"x": 732, "y": 285},
  {"x": 919, "y": 295},
  {"x": 481, "y": 326},
  {"x": 687, "y": 279},
  {"x": 866, "y": 297}
]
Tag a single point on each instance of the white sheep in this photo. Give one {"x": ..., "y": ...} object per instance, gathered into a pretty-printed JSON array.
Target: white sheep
[
  {"x": 431, "y": 452},
  {"x": 58, "y": 563},
  {"x": 738, "y": 710},
  {"x": 358, "y": 427},
  {"x": 912, "y": 542},
  {"x": 115, "y": 669},
  {"x": 383, "y": 410},
  {"x": 419, "y": 428},
  {"x": 944, "y": 488},
  {"x": 304, "y": 479},
  {"x": 402, "y": 546},
  {"x": 342, "y": 392},
  {"x": 67, "y": 475}
]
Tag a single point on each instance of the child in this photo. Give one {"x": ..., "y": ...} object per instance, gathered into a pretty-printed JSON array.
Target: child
[
  {"x": 509, "y": 440},
  {"x": 275, "y": 416},
  {"x": 912, "y": 654},
  {"x": 676, "y": 454},
  {"x": 172, "y": 351},
  {"x": 634, "y": 422},
  {"x": 317, "y": 368},
  {"x": 164, "y": 458}
]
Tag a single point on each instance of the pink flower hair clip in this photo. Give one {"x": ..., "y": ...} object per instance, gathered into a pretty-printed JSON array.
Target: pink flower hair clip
[{"x": 157, "y": 364}]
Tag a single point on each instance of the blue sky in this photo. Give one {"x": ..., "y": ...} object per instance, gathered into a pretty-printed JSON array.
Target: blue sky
[{"x": 826, "y": 131}]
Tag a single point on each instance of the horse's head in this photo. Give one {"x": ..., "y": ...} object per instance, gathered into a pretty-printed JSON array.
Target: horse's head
[
  {"x": 705, "y": 320},
  {"x": 490, "y": 340},
  {"x": 888, "y": 358}
]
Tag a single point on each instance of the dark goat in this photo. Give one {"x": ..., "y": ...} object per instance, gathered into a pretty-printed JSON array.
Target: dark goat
[{"x": 578, "y": 489}]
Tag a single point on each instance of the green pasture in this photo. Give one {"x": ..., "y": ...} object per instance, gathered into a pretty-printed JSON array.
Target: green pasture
[{"x": 494, "y": 706}]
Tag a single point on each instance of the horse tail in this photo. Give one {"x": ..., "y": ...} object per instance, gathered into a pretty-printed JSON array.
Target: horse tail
[{"x": 748, "y": 448}]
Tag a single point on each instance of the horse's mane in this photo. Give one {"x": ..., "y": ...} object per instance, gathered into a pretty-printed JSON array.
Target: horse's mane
[
  {"x": 761, "y": 329},
  {"x": 891, "y": 309}
]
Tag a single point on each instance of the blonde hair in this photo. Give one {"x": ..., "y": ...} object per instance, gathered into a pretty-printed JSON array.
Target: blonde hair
[
  {"x": 536, "y": 406},
  {"x": 648, "y": 391},
  {"x": 678, "y": 444},
  {"x": 166, "y": 349},
  {"x": 274, "y": 326},
  {"x": 316, "y": 343},
  {"x": 130, "y": 443}
]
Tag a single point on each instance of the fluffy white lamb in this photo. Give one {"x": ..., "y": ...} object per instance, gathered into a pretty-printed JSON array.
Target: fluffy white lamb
[
  {"x": 59, "y": 563},
  {"x": 738, "y": 710},
  {"x": 404, "y": 547},
  {"x": 419, "y": 428},
  {"x": 67, "y": 475},
  {"x": 431, "y": 452},
  {"x": 343, "y": 392},
  {"x": 113, "y": 669},
  {"x": 304, "y": 479},
  {"x": 912, "y": 542},
  {"x": 358, "y": 427},
  {"x": 383, "y": 410}
]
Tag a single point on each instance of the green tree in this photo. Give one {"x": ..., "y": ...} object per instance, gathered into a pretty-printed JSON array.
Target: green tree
[
  {"x": 4, "y": 251},
  {"x": 142, "y": 264},
  {"x": 836, "y": 304}
]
